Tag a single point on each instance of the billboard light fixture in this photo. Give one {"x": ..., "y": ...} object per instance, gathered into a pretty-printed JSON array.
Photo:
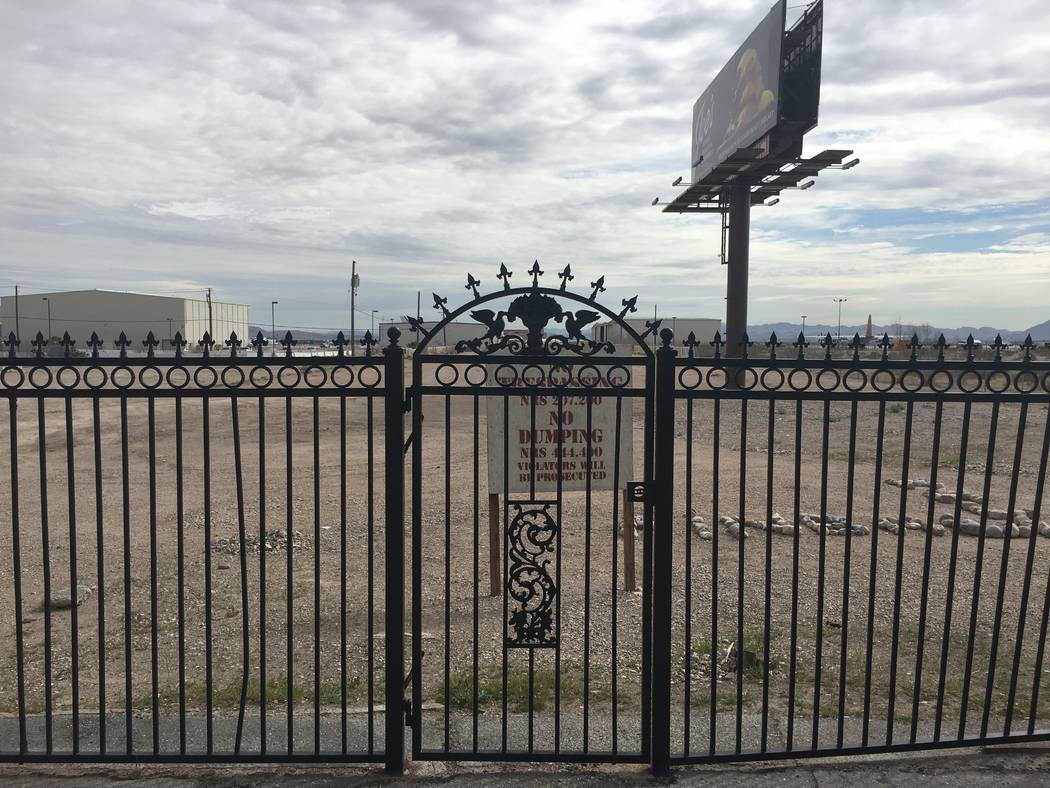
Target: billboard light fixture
[
  {"x": 806, "y": 185},
  {"x": 851, "y": 164},
  {"x": 772, "y": 202},
  {"x": 677, "y": 181},
  {"x": 656, "y": 200}
]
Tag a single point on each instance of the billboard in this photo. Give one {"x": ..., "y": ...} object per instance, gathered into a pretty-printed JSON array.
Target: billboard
[{"x": 743, "y": 101}]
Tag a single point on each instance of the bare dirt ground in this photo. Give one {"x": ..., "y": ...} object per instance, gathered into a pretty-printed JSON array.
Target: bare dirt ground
[{"x": 598, "y": 664}]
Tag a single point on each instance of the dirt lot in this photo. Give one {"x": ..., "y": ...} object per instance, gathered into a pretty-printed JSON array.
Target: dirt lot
[{"x": 599, "y": 659}]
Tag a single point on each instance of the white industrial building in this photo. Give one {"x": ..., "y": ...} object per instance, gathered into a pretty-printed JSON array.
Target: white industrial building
[
  {"x": 447, "y": 336},
  {"x": 108, "y": 312},
  {"x": 703, "y": 327}
]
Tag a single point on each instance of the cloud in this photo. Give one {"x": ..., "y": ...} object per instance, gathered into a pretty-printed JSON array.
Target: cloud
[{"x": 258, "y": 147}]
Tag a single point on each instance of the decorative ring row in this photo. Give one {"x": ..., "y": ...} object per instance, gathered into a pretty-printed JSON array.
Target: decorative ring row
[
  {"x": 559, "y": 376},
  {"x": 177, "y": 377},
  {"x": 938, "y": 381}
]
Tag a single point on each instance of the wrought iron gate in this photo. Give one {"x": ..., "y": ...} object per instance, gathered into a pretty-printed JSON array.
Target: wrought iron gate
[
  {"x": 226, "y": 623},
  {"x": 524, "y": 644}
]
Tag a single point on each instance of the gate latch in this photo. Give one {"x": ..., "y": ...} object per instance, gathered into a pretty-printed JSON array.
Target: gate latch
[
  {"x": 406, "y": 706},
  {"x": 637, "y": 491}
]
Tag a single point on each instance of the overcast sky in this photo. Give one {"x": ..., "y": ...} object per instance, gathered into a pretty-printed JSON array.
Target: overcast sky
[{"x": 257, "y": 147}]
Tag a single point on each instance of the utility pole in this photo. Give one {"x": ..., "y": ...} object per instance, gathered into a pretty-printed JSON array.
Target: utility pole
[
  {"x": 839, "y": 302},
  {"x": 803, "y": 327},
  {"x": 211, "y": 328},
  {"x": 736, "y": 278},
  {"x": 374, "y": 323},
  {"x": 355, "y": 280},
  {"x": 273, "y": 328},
  {"x": 18, "y": 330},
  {"x": 169, "y": 332},
  {"x": 49, "y": 334}
]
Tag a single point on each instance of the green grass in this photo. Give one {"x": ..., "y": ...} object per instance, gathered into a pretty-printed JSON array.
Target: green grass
[
  {"x": 490, "y": 688},
  {"x": 227, "y": 694}
]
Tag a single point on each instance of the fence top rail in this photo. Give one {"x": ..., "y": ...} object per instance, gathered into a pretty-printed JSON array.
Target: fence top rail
[
  {"x": 44, "y": 350},
  {"x": 812, "y": 363},
  {"x": 856, "y": 352}
]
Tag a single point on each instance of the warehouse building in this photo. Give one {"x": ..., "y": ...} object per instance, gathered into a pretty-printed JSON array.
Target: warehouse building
[
  {"x": 108, "y": 312},
  {"x": 703, "y": 327},
  {"x": 447, "y": 336}
]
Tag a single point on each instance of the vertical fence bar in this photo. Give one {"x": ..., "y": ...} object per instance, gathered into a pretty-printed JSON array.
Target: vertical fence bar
[
  {"x": 587, "y": 586},
  {"x": 289, "y": 601},
  {"x": 663, "y": 549},
  {"x": 100, "y": 569},
  {"x": 795, "y": 545},
  {"x": 394, "y": 440},
  {"x": 126, "y": 512},
  {"x": 1033, "y": 708},
  {"x": 687, "y": 660},
  {"x": 716, "y": 437},
  {"x": 905, "y": 462},
  {"x": 151, "y": 407},
  {"x": 209, "y": 687},
  {"x": 448, "y": 573},
  {"x": 978, "y": 566},
  {"x": 821, "y": 562},
  {"x": 848, "y": 555},
  {"x": 768, "y": 584},
  {"x": 949, "y": 597},
  {"x": 876, "y": 500},
  {"x": 740, "y": 534},
  {"x": 74, "y": 625},
  {"x": 477, "y": 577},
  {"x": 262, "y": 575},
  {"x": 317, "y": 572},
  {"x": 1023, "y": 608},
  {"x": 45, "y": 556},
  {"x": 343, "y": 722},
  {"x": 370, "y": 494},
  {"x": 16, "y": 557},
  {"x": 920, "y": 645},
  {"x": 628, "y": 530},
  {"x": 1004, "y": 567},
  {"x": 180, "y": 559},
  {"x": 557, "y": 584},
  {"x": 243, "y": 566},
  {"x": 417, "y": 550}
]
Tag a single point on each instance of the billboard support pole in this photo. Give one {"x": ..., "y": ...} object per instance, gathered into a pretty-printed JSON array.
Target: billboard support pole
[{"x": 736, "y": 280}]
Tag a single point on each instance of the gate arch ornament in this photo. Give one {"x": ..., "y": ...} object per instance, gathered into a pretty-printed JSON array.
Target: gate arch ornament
[{"x": 537, "y": 308}]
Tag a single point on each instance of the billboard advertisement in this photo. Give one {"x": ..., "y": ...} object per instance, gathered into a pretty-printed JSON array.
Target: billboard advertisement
[{"x": 743, "y": 101}]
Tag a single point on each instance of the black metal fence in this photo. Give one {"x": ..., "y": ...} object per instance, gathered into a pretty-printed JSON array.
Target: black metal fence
[
  {"x": 839, "y": 551},
  {"x": 195, "y": 568},
  {"x": 860, "y": 564}
]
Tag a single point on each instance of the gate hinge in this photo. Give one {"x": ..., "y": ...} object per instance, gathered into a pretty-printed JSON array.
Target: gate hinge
[
  {"x": 638, "y": 491},
  {"x": 406, "y": 706},
  {"x": 408, "y": 401}
]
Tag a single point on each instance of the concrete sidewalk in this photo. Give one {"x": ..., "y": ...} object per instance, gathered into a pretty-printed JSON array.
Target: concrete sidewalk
[{"x": 1004, "y": 766}]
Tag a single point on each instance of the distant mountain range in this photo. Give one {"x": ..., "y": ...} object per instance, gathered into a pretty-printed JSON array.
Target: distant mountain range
[{"x": 926, "y": 332}]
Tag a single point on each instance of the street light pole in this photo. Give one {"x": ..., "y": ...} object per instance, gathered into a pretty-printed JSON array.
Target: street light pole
[
  {"x": 49, "y": 335},
  {"x": 169, "y": 332},
  {"x": 374, "y": 323},
  {"x": 355, "y": 280},
  {"x": 273, "y": 328},
  {"x": 803, "y": 327},
  {"x": 839, "y": 302}
]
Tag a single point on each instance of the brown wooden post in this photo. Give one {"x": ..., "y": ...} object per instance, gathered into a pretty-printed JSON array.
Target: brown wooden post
[
  {"x": 628, "y": 543},
  {"x": 495, "y": 573}
]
